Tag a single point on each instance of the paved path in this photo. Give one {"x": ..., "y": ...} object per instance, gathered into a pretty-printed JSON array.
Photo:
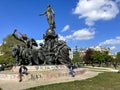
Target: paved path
[
  {"x": 102, "y": 69},
  {"x": 15, "y": 85}
]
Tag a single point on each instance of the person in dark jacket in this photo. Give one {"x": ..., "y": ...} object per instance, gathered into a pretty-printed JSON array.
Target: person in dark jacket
[
  {"x": 2, "y": 68},
  {"x": 22, "y": 70},
  {"x": 71, "y": 70}
]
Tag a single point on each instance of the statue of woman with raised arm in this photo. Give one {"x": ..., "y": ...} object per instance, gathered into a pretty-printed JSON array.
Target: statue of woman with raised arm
[{"x": 50, "y": 16}]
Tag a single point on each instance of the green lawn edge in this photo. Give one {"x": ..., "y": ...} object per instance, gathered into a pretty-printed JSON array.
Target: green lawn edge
[{"x": 104, "y": 81}]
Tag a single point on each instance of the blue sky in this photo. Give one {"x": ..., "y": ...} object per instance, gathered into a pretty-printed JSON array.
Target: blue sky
[{"x": 84, "y": 23}]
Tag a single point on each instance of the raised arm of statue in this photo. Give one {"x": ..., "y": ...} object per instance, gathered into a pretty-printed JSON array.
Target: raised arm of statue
[
  {"x": 16, "y": 36},
  {"x": 41, "y": 14}
]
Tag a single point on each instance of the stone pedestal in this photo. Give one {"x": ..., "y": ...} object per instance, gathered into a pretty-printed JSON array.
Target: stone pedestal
[
  {"x": 41, "y": 68},
  {"x": 55, "y": 73}
]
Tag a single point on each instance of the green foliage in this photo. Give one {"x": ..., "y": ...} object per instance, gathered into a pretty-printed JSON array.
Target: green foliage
[
  {"x": 104, "y": 81},
  {"x": 87, "y": 57},
  {"x": 77, "y": 58},
  {"x": 118, "y": 56},
  {"x": 6, "y": 48},
  {"x": 6, "y": 59},
  {"x": 98, "y": 57},
  {"x": 8, "y": 43}
]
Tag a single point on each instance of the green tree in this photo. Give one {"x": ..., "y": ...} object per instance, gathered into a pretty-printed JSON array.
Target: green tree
[
  {"x": 118, "y": 57},
  {"x": 99, "y": 57},
  {"x": 7, "y": 59},
  {"x": 92, "y": 57},
  {"x": 87, "y": 58},
  {"x": 8, "y": 42},
  {"x": 76, "y": 56}
]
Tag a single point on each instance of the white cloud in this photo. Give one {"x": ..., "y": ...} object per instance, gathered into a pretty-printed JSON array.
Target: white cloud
[
  {"x": 111, "y": 41},
  {"x": 0, "y": 44},
  {"x": 61, "y": 37},
  {"x": 83, "y": 34},
  {"x": 39, "y": 41},
  {"x": 65, "y": 28},
  {"x": 112, "y": 48},
  {"x": 94, "y": 10}
]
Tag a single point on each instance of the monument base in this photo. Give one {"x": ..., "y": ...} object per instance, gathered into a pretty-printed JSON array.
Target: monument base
[
  {"x": 46, "y": 74},
  {"x": 41, "y": 68}
]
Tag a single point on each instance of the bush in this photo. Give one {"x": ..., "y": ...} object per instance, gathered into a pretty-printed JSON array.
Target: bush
[{"x": 6, "y": 59}]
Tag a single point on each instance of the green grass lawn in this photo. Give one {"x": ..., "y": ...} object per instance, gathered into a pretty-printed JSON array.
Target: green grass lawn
[{"x": 104, "y": 81}]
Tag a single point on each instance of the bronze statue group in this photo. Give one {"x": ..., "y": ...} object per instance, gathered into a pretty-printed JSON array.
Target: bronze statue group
[{"x": 52, "y": 52}]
